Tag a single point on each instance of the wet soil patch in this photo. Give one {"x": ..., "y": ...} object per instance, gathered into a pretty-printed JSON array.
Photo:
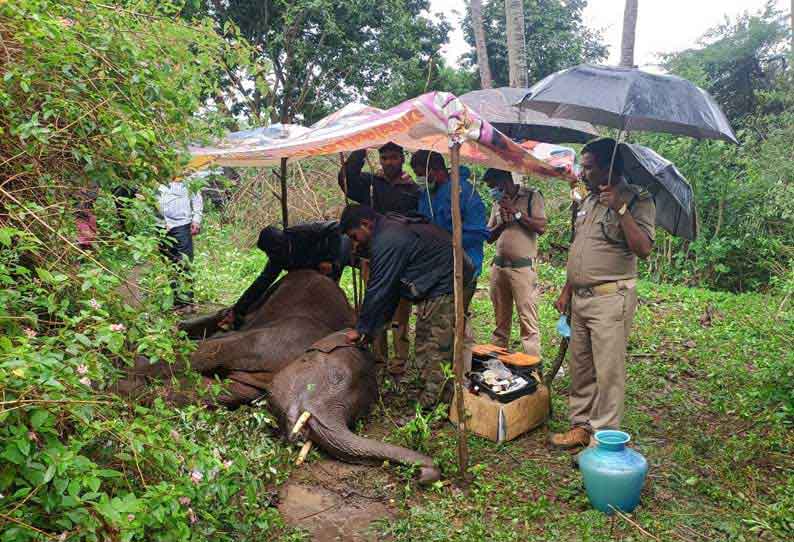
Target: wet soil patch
[{"x": 334, "y": 501}]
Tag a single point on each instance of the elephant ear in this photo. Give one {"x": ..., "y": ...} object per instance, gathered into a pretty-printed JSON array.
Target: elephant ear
[
  {"x": 337, "y": 375},
  {"x": 330, "y": 343}
]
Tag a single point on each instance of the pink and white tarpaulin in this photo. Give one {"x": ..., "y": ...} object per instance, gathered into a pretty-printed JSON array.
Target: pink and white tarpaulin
[{"x": 434, "y": 121}]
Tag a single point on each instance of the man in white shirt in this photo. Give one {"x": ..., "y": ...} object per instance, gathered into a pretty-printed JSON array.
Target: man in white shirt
[{"x": 180, "y": 214}]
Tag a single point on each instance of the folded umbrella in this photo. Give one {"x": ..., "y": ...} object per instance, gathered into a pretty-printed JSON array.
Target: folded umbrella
[
  {"x": 675, "y": 205},
  {"x": 499, "y": 107},
  {"x": 630, "y": 100}
]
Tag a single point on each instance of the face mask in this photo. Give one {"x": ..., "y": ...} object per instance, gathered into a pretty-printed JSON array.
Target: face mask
[{"x": 497, "y": 193}]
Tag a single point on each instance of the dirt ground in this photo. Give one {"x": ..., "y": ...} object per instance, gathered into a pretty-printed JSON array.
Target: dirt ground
[{"x": 334, "y": 501}]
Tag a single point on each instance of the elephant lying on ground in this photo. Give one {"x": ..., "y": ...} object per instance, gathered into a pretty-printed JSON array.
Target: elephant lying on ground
[{"x": 291, "y": 349}]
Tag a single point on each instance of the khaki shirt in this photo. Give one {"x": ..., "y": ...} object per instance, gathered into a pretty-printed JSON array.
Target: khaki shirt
[
  {"x": 599, "y": 253},
  {"x": 516, "y": 241}
]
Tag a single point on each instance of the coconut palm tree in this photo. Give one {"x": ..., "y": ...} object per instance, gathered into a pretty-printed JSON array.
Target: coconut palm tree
[
  {"x": 629, "y": 33},
  {"x": 486, "y": 81},
  {"x": 516, "y": 44}
]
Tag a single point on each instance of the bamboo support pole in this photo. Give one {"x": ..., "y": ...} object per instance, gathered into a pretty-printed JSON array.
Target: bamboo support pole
[
  {"x": 457, "y": 249},
  {"x": 358, "y": 282},
  {"x": 284, "y": 211}
]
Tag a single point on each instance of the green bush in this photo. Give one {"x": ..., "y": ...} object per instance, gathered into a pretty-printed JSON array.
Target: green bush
[{"x": 102, "y": 96}]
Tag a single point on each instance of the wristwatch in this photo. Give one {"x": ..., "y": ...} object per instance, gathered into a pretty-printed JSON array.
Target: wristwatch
[
  {"x": 623, "y": 209},
  {"x": 518, "y": 215}
]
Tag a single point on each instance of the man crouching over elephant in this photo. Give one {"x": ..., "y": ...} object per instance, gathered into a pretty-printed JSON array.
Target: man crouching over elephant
[
  {"x": 409, "y": 258},
  {"x": 314, "y": 245}
]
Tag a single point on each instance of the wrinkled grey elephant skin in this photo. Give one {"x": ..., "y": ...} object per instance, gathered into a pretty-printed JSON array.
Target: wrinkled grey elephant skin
[{"x": 291, "y": 349}]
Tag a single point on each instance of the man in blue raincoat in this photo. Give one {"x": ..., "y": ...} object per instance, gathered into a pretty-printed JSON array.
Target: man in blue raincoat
[{"x": 435, "y": 203}]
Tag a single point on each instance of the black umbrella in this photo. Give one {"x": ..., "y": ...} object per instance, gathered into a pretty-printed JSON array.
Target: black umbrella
[
  {"x": 630, "y": 100},
  {"x": 498, "y": 106},
  {"x": 675, "y": 205}
]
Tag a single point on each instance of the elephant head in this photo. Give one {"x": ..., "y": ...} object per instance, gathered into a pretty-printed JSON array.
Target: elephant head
[{"x": 335, "y": 383}]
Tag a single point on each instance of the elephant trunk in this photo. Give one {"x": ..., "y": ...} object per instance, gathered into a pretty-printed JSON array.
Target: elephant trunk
[{"x": 337, "y": 439}]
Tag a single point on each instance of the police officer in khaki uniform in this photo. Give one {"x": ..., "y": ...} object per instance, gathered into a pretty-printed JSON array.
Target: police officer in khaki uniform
[
  {"x": 614, "y": 226},
  {"x": 518, "y": 216}
]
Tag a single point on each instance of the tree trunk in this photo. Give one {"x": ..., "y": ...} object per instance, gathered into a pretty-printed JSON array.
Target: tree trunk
[
  {"x": 516, "y": 44},
  {"x": 629, "y": 33},
  {"x": 479, "y": 39}
]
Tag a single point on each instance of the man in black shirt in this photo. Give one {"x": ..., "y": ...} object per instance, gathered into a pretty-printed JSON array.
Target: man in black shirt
[
  {"x": 410, "y": 258},
  {"x": 315, "y": 245},
  {"x": 391, "y": 190}
]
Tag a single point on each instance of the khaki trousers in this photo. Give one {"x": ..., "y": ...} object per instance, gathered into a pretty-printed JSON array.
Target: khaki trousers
[
  {"x": 600, "y": 327},
  {"x": 400, "y": 342},
  {"x": 520, "y": 287}
]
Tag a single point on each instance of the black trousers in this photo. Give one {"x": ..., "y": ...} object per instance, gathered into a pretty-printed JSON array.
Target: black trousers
[{"x": 177, "y": 246}]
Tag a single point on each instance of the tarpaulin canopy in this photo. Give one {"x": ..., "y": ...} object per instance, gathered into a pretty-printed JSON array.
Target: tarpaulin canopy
[{"x": 433, "y": 121}]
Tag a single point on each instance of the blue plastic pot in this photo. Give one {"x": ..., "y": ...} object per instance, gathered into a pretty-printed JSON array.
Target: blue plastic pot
[{"x": 613, "y": 474}]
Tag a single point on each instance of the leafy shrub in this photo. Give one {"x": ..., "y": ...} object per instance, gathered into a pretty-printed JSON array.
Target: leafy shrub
[{"x": 103, "y": 96}]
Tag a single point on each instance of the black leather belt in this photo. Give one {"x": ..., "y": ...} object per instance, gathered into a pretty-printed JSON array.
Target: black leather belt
[{"x": 518, "y": 263}]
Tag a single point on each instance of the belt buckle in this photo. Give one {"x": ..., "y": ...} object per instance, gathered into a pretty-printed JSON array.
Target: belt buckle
[{"x": 585, "y": 292}]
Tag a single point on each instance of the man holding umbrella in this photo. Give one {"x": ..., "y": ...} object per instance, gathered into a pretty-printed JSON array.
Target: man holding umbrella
[{"x": 614, "y": 226}]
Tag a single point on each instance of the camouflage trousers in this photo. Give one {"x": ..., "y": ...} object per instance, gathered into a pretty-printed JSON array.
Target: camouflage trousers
[{"x": 435, "y": 338}]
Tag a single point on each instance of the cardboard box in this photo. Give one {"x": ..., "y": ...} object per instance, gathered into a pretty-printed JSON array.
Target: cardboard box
[{"x": 503, "y": 421}]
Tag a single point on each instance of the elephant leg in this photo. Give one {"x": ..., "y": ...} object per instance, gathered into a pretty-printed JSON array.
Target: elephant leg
[
  {"x": 135, "y": 382},
  {"x": 144, "y": 369},
  {"x": 339, "y": 441},
  {"x": 266, "y": 349},
  {"x": 236, "y": 393},
  {"x": 230, "y": 394},
  {"x": 211, "y": 355},
  {"x": 202, "y": 327}
]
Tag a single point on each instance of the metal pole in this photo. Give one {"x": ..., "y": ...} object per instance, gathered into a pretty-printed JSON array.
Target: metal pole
[
  {"x": 457, "y": 360},
  {"x": 284, "y": 215},
  {"x": 564, "y": 341},
  {"x": 614, "y": 153}
]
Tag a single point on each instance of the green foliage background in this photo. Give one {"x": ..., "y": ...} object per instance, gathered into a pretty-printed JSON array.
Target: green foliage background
[{"x": 103, "y": 95}]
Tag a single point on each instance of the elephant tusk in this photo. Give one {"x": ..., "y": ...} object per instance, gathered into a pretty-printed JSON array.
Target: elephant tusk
[
  {"x": 307, "y": 446},
  {"x": 301, "y": 422}
]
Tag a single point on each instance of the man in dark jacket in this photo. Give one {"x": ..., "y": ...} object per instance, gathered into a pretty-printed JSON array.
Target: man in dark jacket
[
  {"x": 314, "y": 245},
  {"x": 390, "y": 190},
  {"x": 410, "y": 258}
]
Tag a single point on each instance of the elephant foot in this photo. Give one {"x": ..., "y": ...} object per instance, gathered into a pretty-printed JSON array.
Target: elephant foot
[
  {"x": 129, "y": 387},
  {"x": 428, "y": 475}
]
